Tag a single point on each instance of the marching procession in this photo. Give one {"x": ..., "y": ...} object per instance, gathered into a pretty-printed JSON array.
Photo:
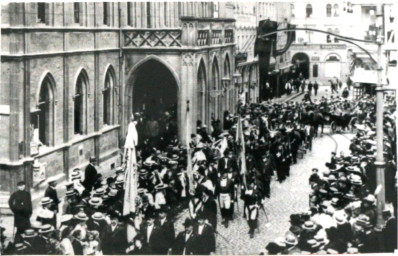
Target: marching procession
[{"x": 209, "y": 176}]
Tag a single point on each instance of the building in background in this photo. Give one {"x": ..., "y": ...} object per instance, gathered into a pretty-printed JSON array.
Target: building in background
[
  {"x": 321, "y": 57},
  {"x": 247, "y": 16},
  {"x": 73, "y": 74}
]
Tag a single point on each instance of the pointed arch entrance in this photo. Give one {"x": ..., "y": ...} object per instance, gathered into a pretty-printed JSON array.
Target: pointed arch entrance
[{"x": 152, "y": 91}]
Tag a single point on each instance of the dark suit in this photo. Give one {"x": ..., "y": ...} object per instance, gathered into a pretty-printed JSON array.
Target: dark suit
[
  {"x": 90, "y": 176},
  {"x": 153, "y": 244},
  {"x": 209, "y": 210},
  {"x": 206, "y": 240},
  {"x": 190, "y": 245},
  {"x": 166, "y": 236},
  {"x": 390, "y": 235},
  {"x": 114, "y": 242},
  {"x": 52, "y": 193},
  {"x": 225, "y": 164},
  {"x": 20, "y": 203}
]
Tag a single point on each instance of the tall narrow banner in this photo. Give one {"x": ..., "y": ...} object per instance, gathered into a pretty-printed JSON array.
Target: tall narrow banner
[
  {"x": 242, "y": 154},
  {"x": 130, "y": 184},
  {"x": 189, "y": 157}
]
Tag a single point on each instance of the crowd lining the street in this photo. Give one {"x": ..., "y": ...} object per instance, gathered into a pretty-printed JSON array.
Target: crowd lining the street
[{"x": 341, "y": 216}]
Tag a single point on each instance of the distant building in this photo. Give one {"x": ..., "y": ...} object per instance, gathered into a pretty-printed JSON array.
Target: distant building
[{"x": 248, "y": 15}]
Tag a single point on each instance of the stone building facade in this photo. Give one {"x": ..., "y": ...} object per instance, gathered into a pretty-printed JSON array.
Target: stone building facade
[
  {"x": 248, "y": 15},
  {"x": 73, "y": 73}
]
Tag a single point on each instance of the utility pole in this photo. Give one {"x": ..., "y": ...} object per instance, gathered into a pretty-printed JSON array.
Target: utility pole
[{"x": 380, "y": 164}]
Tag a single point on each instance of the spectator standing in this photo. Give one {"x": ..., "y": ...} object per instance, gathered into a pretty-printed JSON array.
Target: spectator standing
[{"x": 20, "y": 203}]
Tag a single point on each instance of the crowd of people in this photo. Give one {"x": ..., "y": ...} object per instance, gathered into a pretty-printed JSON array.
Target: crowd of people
[
  {"x": 342, "y": 216},
  {"x": 273, "y": 137}
]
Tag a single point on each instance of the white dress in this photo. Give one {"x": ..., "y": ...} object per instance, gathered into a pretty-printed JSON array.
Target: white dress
[
  {"x": 132, "y": 136},
  {"x": 67, "y": 248}
]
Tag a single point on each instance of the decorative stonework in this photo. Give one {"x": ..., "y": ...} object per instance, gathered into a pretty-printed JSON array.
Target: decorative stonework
[
  {"x": 152, "y": 38},
  {"x": 187, "y": 59}
]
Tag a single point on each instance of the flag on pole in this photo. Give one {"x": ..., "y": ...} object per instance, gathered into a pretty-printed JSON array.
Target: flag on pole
[
  {"x": 240, "y": 139},
  {"x": 130, "y": 184},
  {"x": 189, "y": 158}
]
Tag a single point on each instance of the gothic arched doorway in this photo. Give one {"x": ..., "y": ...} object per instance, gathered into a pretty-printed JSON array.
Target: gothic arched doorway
[
  {"x": 153, "y": 93},
  {"x": 302, "y": 63}
]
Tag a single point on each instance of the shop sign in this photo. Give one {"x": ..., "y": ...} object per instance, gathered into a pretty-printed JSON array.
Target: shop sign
[
  {"x": 318, "y": 46},
  {"x": 315, "y": 58},
  {"x": 333, "y": 46}
]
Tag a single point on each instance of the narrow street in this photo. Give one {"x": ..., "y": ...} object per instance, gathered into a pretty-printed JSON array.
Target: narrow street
[{"x": 287, "y": 198}]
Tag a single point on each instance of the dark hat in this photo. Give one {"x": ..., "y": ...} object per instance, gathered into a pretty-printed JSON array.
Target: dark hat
[
  {"x": 188, "y": 222},
  {"x": 21, "y": 183}
]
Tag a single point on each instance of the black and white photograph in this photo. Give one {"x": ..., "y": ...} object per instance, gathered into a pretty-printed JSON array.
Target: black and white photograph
[{"x": 198, "y": 127}]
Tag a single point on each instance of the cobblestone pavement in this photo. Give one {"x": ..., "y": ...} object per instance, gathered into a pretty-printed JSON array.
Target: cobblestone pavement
[{"x": 289, "y": 197}]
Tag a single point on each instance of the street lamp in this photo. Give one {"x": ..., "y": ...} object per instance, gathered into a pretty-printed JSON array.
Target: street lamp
[{"x": 380, "y": 164}]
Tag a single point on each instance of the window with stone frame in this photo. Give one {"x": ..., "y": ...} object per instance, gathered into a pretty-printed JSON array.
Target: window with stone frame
[
  {"x": 76, "y": 12},
  {"x": 329, "y": 37},
  {"x": 148, "y": 15},
  {"x": 328, "y": 10},
  {"x": 337, "y": 32},
  {"x": 42, "y": 12},
  {"x": 129, "y": 16},
  {"x": 80, "y": 104},
  {"x": 106, "y": 12},
  {"x": 336, "y": 10},
  {"x": 43, "y": 120},
  {"x": 308, "y": 11},
  {"x": 108, "y": 97}
]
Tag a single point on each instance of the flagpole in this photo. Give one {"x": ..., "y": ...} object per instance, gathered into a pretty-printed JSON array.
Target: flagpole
[{"x": 189, "y": 159}]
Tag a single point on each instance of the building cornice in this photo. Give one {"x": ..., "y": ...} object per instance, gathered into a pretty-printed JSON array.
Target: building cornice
[{"x": 13, "y": 57}]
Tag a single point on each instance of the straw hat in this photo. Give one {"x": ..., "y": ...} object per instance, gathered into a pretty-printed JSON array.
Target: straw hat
[{"x": 46, "y": 201}]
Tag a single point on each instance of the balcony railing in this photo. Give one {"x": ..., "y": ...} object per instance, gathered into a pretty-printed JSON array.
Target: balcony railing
[{"x": 193, "y": 32}]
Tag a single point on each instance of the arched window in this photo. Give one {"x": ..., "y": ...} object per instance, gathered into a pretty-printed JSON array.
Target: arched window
[
  {"x": 227, "y": 65},
  {"x": 336, "y": 10},
  {"x": 337, "y": 32},
  {"x": 80, "y": 103},
  {"x": 328, "y": 10},
  {"x": 215, "y": 74},
  {"x": 201, "y": 93},
  {"x": 108, "y": 97},
  {"x": 43, "y": 121},
  {"x": 308, "y": 10}
]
